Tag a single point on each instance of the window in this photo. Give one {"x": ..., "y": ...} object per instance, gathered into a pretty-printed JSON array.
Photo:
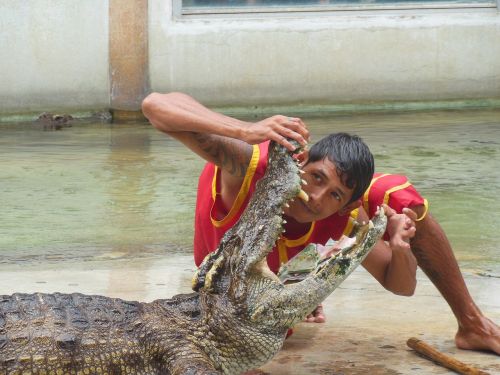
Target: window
[{"x": 269, "y": 6}]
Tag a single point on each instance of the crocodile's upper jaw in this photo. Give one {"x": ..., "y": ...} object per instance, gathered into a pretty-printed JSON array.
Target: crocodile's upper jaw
[{"x": 249, "y": 241}]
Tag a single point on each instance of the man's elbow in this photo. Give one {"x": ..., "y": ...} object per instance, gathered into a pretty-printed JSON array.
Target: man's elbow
[
  {"x": 150, "y": 105},
  {"x": 162, "y": 109},
  {"x": 159, "y": 108}
]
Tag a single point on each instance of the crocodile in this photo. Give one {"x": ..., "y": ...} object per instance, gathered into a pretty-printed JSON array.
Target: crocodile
[{"x": 235, "y": 320}]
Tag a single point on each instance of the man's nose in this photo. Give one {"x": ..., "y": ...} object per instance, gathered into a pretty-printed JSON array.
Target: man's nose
[{"x": 316, "y": 198}]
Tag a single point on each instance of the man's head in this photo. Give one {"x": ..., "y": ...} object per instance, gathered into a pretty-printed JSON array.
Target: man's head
[
  {"x": 338, "y": 169},
  {"x": 352, "y": 158}
]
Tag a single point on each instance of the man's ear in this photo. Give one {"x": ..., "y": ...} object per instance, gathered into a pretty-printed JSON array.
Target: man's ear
[{"x": 346, "y": 210}]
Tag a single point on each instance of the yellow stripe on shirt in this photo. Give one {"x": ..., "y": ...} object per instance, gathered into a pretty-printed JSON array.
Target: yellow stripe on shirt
[{"x": 242, "y": 194}]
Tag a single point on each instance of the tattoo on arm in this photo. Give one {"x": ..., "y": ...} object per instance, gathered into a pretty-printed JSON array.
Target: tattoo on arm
[{"x": 229, "y": 154}]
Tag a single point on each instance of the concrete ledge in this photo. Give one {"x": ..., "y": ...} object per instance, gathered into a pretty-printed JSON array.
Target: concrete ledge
[
  {"x": 128, "y": 116},
  {"x": 302, "y": 109},
  {"x": 98, "y": 114},
  {"x": 325, "y": 109}
]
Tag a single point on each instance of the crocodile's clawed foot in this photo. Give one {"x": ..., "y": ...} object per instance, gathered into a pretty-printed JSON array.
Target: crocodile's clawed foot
[{"x": 206, "y": 271}]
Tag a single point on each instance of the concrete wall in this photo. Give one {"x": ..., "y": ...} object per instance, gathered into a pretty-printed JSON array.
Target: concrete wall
[
  {"x": 327, "y": 59},
  {"x": 54, "y": 54}
]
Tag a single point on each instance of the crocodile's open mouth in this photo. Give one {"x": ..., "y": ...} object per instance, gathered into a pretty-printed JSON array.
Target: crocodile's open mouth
[{"x": 245, "y": 246}]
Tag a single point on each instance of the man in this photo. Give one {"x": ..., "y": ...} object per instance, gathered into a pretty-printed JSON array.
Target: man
[{"x": 226, "y": 143}]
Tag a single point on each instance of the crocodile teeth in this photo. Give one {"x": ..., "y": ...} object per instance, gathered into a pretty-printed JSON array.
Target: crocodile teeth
[
  {"x": 304, "y": 182},
  {"x": 303, "y": 195},
  {"x": 301, "y": 171},
  {"x": 287, "y": 205}
]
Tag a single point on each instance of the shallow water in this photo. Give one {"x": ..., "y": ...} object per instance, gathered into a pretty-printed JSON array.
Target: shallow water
[{"x": 97, "y": 192}]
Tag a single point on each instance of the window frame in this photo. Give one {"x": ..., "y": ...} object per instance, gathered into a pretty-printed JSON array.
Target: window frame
[{"x": 208, "y": 12}]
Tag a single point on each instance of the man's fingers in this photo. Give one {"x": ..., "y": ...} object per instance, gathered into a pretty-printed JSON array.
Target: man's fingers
[
  {"x": 299, "y": 126},
  {"x": 405, "y": 245},
  {"x": 295, "y": 124},
  {"x": 294, "y": 131},
  {"x": 409, "y": 223},
  {"x": 403, "y": 241},
  {"x": 282, "y": 134},
  {"x": 388, "y": 210},
  {"x": 279, "y": 128},
  {"x": 282, "y": 141},
  {"x": 303, "y": 132},
  {"x": 412, "y": 232},
  {"x": 410, "y": 213}
]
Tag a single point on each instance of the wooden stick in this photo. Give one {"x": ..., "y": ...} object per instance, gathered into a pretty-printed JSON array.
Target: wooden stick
[{"x": 442, "y": 359}]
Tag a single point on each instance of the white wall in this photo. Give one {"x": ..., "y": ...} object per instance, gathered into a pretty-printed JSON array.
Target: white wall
[
  {"x": 327, "y": 59},
  {"x": 53, "y": 54}
]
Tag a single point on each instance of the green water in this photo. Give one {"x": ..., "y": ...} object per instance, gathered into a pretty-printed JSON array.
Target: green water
[{"x": 97, "y": 191}]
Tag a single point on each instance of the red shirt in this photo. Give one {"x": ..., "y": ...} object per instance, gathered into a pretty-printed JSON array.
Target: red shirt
[
  {"x": 395, "y": 191},
  {"x": 209, "y": 229}
]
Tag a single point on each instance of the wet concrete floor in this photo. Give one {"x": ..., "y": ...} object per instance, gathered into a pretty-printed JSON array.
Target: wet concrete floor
[{"x": 366, "y": 328}]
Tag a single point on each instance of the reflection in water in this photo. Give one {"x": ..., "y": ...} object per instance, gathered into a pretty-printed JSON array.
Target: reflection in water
[
  {"x": 131, "y": 185},
  {"x": 127, "y": 192}
]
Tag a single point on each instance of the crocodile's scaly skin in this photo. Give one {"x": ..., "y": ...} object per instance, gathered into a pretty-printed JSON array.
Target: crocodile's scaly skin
[{"x": 235, "y": 321}]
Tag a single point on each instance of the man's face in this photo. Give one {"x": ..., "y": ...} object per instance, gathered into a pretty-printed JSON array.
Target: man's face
[{"x": 327, "y": 193}]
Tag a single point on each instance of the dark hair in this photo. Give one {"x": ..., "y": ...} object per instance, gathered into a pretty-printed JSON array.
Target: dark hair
[{"x": 352, "y": 158}]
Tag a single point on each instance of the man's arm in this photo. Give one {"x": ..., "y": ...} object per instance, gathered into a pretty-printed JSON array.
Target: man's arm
[
  {"x": 214, "y": 136},
  {"x": 394, "y": 265},
  {"x": 219, "y": 139}
]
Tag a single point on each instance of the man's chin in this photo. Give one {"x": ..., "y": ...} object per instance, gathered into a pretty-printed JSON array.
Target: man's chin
[
  {"x": 301, "y": 214},
  {"x": 304, "y": 219}
]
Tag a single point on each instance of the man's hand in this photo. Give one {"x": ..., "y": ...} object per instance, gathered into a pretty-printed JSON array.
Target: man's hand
[
  {"x": 401, "y": 227},
  {"x": 393, "y": 264},
  {"x": 277, "y": 128}
]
